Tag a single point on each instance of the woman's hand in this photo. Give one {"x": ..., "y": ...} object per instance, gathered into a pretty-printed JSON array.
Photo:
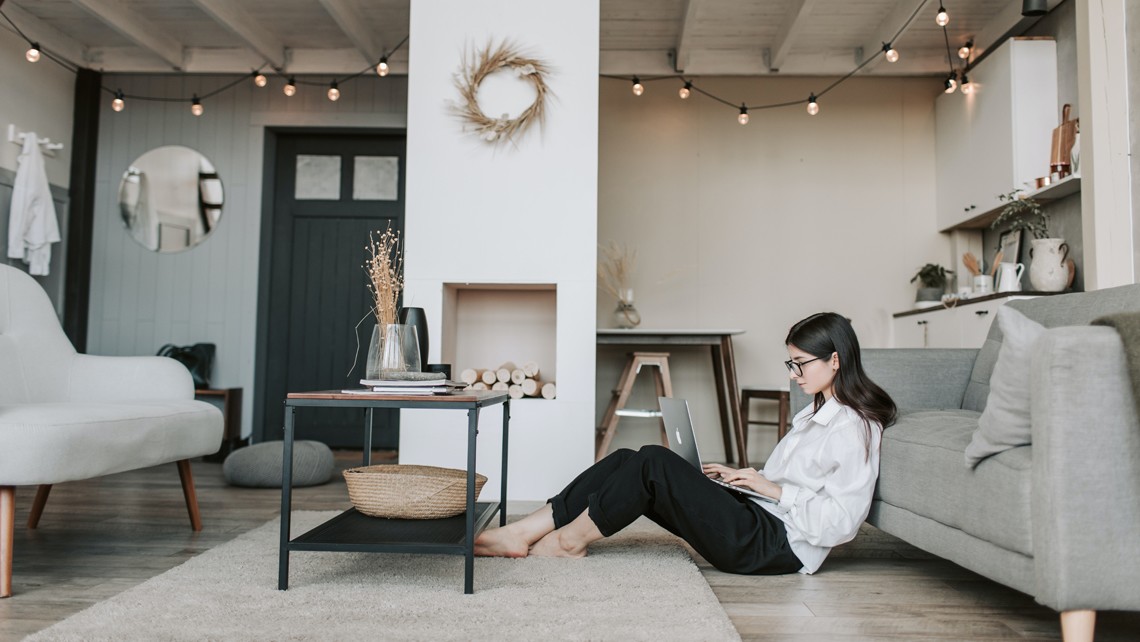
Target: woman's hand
[{"x": 744, "y": 477}]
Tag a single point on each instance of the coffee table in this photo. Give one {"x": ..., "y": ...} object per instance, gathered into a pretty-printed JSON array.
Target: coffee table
[{"x": 354, "y": 532}]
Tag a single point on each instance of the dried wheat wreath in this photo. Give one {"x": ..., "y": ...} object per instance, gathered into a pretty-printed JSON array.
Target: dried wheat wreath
[{"x": 480, "y": 64}]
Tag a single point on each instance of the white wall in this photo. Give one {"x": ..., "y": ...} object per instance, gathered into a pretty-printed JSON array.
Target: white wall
[
  {"x": 758, "y": 226},
  {"x": 141, "y": 299},
  {"x": 524, "y": 213},
  {"x": 37, "y": 97}
]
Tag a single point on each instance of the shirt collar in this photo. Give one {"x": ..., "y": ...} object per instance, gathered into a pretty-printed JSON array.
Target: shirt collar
[{"x": 827, "y": 411}]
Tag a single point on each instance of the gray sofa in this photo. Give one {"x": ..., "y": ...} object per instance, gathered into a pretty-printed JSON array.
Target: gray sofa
[{"x": 1058, "y": 519}]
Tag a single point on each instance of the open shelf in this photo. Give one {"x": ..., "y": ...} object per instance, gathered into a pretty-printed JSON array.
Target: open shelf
[
  {"x": 356, "y": 532},
  {"x": 487, "y": 324},
  {"x": 1056, "y": 191}
]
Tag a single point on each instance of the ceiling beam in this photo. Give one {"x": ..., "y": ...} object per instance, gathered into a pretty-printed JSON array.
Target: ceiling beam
[
  {"x": 793, "y": 23},
  {"x": 227, "y": 14},
  {"x": 50, "y": 38},
  {"x": 354, "y": 26},
  {"x": 136, "y": 29},
  {"x": 885, "y": 32},
  {"x": 685, "y": 39},
  {"x": 239, "y": 60}
]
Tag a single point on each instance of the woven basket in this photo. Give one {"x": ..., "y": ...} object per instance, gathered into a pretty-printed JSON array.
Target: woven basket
[{"x": 409, "y": 492}]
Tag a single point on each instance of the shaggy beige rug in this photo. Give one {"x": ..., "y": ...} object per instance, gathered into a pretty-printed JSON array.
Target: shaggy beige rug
[{"x": 638, "y": 585}]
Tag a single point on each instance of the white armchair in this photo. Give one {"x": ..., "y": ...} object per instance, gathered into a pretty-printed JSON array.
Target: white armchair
[{"x": 66, "y": 416}]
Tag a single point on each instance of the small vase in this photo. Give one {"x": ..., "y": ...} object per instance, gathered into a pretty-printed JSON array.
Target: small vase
[
  {"x": 1048, "y": 271},
  {"x": 400, "y": 351},
  {"x": 626, "y": 315},
  {"x": 416, "y": 318}
]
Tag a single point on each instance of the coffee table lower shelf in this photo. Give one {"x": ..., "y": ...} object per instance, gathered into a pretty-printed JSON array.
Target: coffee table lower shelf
[{"x": 355, "y": 532}]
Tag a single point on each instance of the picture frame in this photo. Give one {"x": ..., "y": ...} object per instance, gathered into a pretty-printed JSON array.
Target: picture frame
[{"x": 1010, "y": 245}]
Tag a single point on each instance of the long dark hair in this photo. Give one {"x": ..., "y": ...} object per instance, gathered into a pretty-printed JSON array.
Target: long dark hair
[{"x": 825, "y": 333}]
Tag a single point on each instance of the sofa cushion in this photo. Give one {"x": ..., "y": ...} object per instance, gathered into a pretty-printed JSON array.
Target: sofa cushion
[
  {"x": 921, "y": 470},
  {"x": 1078, "y": 308},
  {"x": 1005, "y": 422},
  {"x": 73, "y": 441}
]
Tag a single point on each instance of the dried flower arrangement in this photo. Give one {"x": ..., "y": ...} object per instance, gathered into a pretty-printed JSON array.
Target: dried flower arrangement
[
  {"x": 385, "y": 268},
  {"x": 614, "y": 269},
  {"x": 476, "y": 66}
]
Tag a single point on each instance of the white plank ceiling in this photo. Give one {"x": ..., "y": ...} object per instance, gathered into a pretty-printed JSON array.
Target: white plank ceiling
[{"x": 646, "y": 37}]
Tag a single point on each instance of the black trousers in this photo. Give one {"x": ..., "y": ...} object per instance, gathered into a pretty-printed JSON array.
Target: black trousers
[{"x": 730, "y": 531}]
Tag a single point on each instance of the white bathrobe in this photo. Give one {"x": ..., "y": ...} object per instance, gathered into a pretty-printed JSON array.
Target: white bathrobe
[{"x": 32, "y": 227}]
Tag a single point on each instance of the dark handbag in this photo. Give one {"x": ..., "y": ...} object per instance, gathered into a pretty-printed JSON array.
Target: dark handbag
[{"x": 198, "y": 359}]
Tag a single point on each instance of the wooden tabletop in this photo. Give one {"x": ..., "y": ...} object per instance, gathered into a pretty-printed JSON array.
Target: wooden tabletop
[{"x": 484, "y": 397}]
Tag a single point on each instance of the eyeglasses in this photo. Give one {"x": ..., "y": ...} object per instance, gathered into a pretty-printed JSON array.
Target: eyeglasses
[{"x": 797, "y": 367}]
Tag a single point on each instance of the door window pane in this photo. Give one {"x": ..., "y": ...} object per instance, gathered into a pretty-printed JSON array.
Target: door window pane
[
  {"x": 376, "y": 178},
  {"x": 318, "y": 178}
]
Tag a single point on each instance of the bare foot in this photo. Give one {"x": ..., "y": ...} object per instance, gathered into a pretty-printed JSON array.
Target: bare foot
[
  {"x": 500, "y": 542},
  {"x": 551, "y": 546}
]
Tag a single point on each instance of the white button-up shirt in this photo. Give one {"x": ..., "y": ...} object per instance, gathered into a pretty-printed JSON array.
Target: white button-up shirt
[{"x": 826, "y": 480}]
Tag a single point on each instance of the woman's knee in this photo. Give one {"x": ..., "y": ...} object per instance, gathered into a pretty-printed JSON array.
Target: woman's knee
[{"x": 654, "y": 451}]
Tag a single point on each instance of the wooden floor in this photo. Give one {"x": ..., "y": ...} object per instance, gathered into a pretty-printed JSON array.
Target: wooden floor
[{"x": 100, "y": 537}]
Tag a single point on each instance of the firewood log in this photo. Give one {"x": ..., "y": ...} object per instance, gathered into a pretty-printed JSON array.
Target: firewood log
[
  {"x": 549, "y": 390},
  {"x": 531, "y": 387},
  {"x": 517, "y": 376},
  {"x": 504, "y": 372},
  {"x": 515, "y": 391},
  {"x": 530, "y": 369},
  {"x": 500, "y": 385},
  {"x": 488, "y": 376},
  {"x": 469, "y": 376}
]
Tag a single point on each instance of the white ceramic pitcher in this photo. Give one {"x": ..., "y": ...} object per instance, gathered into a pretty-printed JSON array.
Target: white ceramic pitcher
[{"x": 1009, "y": 277}]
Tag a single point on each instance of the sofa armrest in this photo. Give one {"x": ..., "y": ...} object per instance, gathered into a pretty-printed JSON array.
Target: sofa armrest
[
  {"x": 96, "y": 379},
  {"x": 1086, "y": 471},
  {"x": 917, "y": 379}
]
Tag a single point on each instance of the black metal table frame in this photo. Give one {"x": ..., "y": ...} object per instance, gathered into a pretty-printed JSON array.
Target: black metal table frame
[{"x": 473, "y": 525}]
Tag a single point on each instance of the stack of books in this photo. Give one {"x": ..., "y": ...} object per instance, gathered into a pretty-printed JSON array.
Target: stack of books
[{"x": 390, "y": 387}]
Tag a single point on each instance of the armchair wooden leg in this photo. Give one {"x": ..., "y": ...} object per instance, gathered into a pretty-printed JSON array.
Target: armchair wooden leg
[
  {"x": 7, "y": 537},
  {"x": 188, "y": 491},
  {"x": 38, "y": 505},
  {"x": 1078, "y": 626}
]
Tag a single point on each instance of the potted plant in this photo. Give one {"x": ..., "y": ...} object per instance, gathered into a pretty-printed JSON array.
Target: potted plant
[
  {"x": 1050, "y": 270},
  {"x": 933, "y": 279}
]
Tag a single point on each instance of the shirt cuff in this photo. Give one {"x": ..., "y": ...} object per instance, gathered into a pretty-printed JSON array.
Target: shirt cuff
[{"x": 788, "y": 494}]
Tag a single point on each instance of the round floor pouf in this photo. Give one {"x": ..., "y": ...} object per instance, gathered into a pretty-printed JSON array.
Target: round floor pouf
[{"x": 259, "y": 466}]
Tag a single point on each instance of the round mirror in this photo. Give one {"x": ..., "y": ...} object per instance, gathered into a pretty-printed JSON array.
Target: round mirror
[{"x": 170, "y": 198}]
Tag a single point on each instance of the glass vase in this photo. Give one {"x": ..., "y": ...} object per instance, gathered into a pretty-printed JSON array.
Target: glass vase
[
  {"x": 627, "y": 316},
  {"x": 400, "y": 350}
]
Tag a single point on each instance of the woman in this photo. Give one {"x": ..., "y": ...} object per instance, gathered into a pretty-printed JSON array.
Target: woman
[{"x": 822, "y": 475}]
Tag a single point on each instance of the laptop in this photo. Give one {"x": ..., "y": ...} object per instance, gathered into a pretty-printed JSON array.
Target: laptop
[{"x": 683, "y": 441}]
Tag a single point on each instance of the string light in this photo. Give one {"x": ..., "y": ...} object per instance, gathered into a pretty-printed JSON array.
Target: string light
[
  {"x": 196, "y": 106},
  {"x": 259, "y": 79},
  {"x": 117, "y": 104},
  {"x": 382, "y": 67},
  {"x": 743, "y": 117},
  {"x": 334, "y": 93},
  {"x": 943, "y": 18},
  {"x": 33, "y": 52},
  {"x": 951, "y": 83},
  {"x": 964, "y": 50},
  {"x": 891, "y": 53},
  {"x": 685, "y": 91},
  {"x": 966, "y": 86},
  {"x": 290, "y": 88},
  {"x": 812, "y": 106},
  {"x": 638, "y": 88}
]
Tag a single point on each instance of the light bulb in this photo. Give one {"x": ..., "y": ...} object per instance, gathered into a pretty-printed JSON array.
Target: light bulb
[
  {"x": 638, "y": 88},
  {"x": 951, "y": 84},
  {"x": 943, "y": 18},
  {"x": 334, "y": 93},
  {"x": 812, "y": 106},
  {"x": 196, "y": 107},
  {"x": 964, "y": 52},
  {"x": 33, "y": 52},
  {"x": 892, "y": 54},
  {"x": 967, "y": 87},
  {"x": 290, "y": 87},
  {"x": 260, "y": 80},
  {"x": 117, "y": 104},
  {"x": 743, "y": 117},
  {"x": 382, "y": 68},
  {"x": 685, "y": 91}
]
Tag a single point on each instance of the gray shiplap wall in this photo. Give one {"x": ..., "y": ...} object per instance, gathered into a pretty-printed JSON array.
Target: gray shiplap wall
[
  {"x": 141, "y": 300},
  {"x": 53, "y": 282}
]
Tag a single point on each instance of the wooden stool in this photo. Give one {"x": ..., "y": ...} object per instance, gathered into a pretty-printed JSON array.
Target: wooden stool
[
  {"x": 782, "y": 397},
  {"x": 617, "y": 409}
]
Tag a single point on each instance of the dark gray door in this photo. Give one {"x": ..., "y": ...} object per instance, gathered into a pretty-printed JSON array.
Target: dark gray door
[{"x": 329, "y": 192}]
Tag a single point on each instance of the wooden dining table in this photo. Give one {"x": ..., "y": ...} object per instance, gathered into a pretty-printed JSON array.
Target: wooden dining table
[{"x": 719, "y": 342}]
